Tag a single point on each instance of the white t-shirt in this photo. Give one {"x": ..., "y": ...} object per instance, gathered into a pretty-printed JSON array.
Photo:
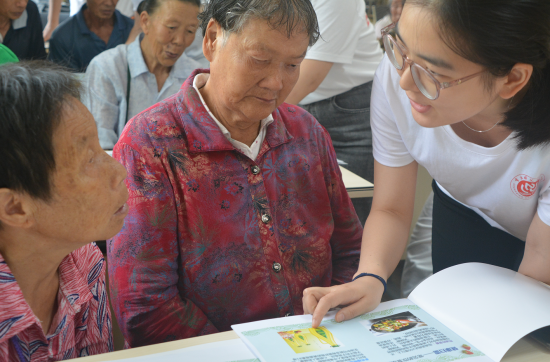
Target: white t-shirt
[
  {"x": 503, "y": 185},
  {"x": 348, "y": 40}
]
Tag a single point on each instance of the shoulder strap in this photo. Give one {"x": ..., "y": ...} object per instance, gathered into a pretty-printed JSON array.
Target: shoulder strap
[{"x": 128, "y": 95}]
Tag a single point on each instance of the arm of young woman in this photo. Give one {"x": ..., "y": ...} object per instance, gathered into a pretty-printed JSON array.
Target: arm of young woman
[
  {"x": 312, "y": 74},
  {"x": 536, "y": 260},
  {"x": 384, "y": 240}
]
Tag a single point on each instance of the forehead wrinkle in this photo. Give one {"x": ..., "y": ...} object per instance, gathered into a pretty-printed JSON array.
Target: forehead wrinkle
[
  {"x": 79, "y": 132},
  {"x": 251, "y": 44}
]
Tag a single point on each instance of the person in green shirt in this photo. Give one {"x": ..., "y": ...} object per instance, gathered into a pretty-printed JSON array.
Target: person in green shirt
[{"x": 6, "y": 55}]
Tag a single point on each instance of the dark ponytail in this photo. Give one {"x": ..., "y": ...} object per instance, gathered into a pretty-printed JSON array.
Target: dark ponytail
[{"x": 498, "y": 34}]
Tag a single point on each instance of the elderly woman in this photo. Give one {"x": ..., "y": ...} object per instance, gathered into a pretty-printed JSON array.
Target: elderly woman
[
  {"x": 128, "y": 79},
  {"x": 237, "y": 201},
  {"x": 59, "y": 191}
]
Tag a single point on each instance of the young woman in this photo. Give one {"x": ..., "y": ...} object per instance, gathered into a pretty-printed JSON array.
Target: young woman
[{"x": 464, "y": 90}]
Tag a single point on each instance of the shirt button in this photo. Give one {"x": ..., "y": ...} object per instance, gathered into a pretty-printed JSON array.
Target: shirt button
[
  {"x": 255, "y": 170},
  {"x": 277, "y": 267},
  {"x": 266, "y": 218}
]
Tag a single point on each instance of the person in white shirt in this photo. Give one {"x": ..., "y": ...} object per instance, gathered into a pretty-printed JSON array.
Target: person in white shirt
[
  {"x": 335, "y": 84},
  {"x": 128, "y": 79},
  {"x": 467, "y": 98}
]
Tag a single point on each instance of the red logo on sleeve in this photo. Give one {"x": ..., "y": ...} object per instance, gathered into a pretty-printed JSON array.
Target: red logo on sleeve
[{"x": 524, "y": 186}]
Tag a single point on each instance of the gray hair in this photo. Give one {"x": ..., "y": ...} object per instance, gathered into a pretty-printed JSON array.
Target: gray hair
[
  {"x": 33, "y": 95},
  {"x": 288, "y": 15},
  {"x": 151, "y": 6}
]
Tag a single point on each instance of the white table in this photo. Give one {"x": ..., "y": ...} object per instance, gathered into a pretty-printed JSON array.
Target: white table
[
  {"x": 526, "y": 350},
  {"x": 356, "y": 186}
]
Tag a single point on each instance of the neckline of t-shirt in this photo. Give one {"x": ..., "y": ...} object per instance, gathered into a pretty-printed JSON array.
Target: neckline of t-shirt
[{"x": 486, "y": 151}]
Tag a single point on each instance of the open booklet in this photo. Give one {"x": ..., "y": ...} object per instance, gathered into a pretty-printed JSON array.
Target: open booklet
[{"x": 471, "y": 311}]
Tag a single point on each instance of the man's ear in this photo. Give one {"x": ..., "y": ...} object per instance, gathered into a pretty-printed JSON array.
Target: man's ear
[
  {"x": 212, "y": 41},
  {"x": 15, "y": 209},
  {"x": 516, "y": 80}
]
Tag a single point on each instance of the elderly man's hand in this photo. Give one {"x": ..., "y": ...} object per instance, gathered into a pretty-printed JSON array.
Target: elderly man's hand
[{"x": 359, "y": 297}]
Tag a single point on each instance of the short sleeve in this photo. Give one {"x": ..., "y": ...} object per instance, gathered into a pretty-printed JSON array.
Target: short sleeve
[
  {"x": 339, "y": 28},
  {"x": 389, "y": 148},
  {"x": 543, "y": 207}
]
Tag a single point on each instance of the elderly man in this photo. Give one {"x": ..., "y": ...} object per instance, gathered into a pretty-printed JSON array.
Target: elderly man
[
  {"x": 59, "y": 191},
  {"x": 237, "y": 201},
  {"x": 98, "y": 26}
]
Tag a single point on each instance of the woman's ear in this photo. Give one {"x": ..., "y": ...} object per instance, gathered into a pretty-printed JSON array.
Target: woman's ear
[
  {"x": 516, "y": 80},
  {"x": 212, "y": 41},
  {"x": 15, "y": 209},
  {"x": 145, "y": 21}
]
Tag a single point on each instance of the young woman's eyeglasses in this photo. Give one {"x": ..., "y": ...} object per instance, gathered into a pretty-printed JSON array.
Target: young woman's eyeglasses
[{"x": 423, "y": 78}]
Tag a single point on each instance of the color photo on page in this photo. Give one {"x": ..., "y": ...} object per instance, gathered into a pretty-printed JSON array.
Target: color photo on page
[
  {"x": 310, "y": 339},
  {"x": 393, "y": 324}
]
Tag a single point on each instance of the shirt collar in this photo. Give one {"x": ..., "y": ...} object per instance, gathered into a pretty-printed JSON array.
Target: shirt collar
[
  {"x": 137, "y": 64},
  {"x": 199, "y": 82},
  {"x": 21, "y": 21},
  {"x": 80, "y": 20},
  {"x": 119, "y": 23},
  {"x": 16, "y": 315},
  {"x": 204, "y": 135}
]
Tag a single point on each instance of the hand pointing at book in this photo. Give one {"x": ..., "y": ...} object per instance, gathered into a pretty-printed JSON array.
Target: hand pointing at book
[{"x": 357, "y": 297}]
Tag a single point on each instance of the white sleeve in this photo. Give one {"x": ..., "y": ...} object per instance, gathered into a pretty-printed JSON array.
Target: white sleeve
[
  {"x": 103, "y": 103},
  {"x": 543, "y": 206},
  {"x": 339, "y": 27},
  {"x": 388, "y": 146}
]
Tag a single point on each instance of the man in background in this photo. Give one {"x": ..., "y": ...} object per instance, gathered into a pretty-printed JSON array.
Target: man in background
[{"x": 98, "y": 26}]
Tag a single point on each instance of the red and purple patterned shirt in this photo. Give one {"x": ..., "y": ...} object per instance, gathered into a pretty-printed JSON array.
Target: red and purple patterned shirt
[
  {"x": 82, "y": 324},
  {"x": 214, "y": 238}
]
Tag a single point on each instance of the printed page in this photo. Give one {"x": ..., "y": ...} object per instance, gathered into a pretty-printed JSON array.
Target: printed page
[
  {"x": 397, "y": 331},
  {"x": 490, "y": 306},
  {"x": 233, "y": 350}
]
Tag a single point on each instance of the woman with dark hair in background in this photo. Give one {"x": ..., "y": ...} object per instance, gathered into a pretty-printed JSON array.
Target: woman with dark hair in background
[
  {"x": 464, "y": 92},
  {"x": 126, "y": 80}
]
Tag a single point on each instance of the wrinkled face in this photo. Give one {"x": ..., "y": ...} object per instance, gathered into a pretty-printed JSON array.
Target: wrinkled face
[
  {"x": 88, "y": 192},
  {"x": 170, "y": 30},
  {"x": 417, "y": 32},
  {"x": 12, "y": 9},
  {"x": 103, "y": 9},
  {"x": 255, "y": 70}
]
